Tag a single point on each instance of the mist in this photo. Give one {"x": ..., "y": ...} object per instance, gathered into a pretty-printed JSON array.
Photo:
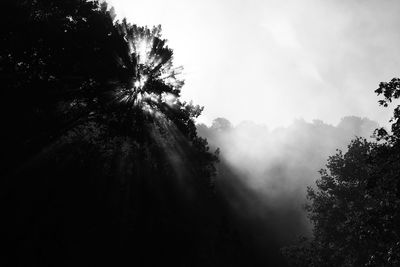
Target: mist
[
  {"x": 135, "y": 133},
  {"x": 296, "y": 58},
  {"x": 264, "y": 173}
]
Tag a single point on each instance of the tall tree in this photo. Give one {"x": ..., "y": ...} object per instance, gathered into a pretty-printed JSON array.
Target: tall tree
[{"x": 103, "y": 163}]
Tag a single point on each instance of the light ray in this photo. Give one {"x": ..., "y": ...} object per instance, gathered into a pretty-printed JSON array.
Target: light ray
[{"x": 155, "y": 80}]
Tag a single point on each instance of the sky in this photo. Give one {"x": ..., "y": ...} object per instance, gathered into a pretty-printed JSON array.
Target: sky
[{"x": 274, "y": 61}]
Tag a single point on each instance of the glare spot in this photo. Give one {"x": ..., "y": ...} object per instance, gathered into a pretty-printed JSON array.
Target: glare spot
[
  {"x": 142, "y": 51},
  {"x": 153, "y": 62},
  {"x": 169, "y": 99},
  {"x": 137, "y": 84}
]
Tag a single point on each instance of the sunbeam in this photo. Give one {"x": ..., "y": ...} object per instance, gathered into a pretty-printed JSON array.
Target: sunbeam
[{"x": 104, "y": 162}]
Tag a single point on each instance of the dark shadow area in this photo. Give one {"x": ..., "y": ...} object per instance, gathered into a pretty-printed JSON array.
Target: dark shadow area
[{"x": 102, "y": 165}]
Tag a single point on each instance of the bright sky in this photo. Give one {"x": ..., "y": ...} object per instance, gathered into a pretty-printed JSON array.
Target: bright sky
[{"x": 272, "y": 61}]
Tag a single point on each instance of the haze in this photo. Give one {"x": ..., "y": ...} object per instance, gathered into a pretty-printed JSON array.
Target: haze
[
  {"x": 276, "y": 61},
  {"x": 265, "y": 173}
]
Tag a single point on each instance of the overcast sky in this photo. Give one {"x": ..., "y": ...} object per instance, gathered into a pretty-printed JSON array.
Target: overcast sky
[{"x": 273, "y": 61}]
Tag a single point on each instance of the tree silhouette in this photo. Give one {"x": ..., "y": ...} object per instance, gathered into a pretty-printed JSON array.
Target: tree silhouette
[
  {"x": 355, "y": 206},
  {"x": 390, "y": 91},
  {"x": 103, "y": 164},
  {"x": 120, "y": 67}
]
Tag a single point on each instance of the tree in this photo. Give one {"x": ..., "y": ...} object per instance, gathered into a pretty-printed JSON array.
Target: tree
[
  {"x": 55, "y": 60},
  {"x": 102, "y": 159},
  {"x": 355, "y": 205},
  {"x": 221, "y": 124},
  {"x": 68, "y": 63}
]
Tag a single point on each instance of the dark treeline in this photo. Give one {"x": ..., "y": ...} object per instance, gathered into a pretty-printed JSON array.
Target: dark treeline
[
  {"x": 101, "y": 162},
  {"x": 103, "y": 165},
  {"x": 353, "y": 207},
  {"x": 351, "y": 214},
  {"x": 264, "y": 173}
]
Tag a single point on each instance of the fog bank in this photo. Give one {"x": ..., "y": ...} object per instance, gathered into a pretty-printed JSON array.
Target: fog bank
[{"x": 264, "y": 173}]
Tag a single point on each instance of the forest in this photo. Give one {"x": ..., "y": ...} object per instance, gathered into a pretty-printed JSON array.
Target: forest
[{"x": 104, "y": 164}]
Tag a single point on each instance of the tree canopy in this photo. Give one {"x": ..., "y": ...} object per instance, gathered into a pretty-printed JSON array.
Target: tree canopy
[
  {"x": 101, "y": 159},
  {"x": 355, "y": 205}
]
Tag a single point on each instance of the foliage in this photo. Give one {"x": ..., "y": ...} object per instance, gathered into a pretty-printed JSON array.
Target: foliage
[
  {"x": 68, "y": 63},
  {"x": 390, "y": 91},
  {"x": 101, "y": 157},
  {"x": 355, "y": 207}
]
